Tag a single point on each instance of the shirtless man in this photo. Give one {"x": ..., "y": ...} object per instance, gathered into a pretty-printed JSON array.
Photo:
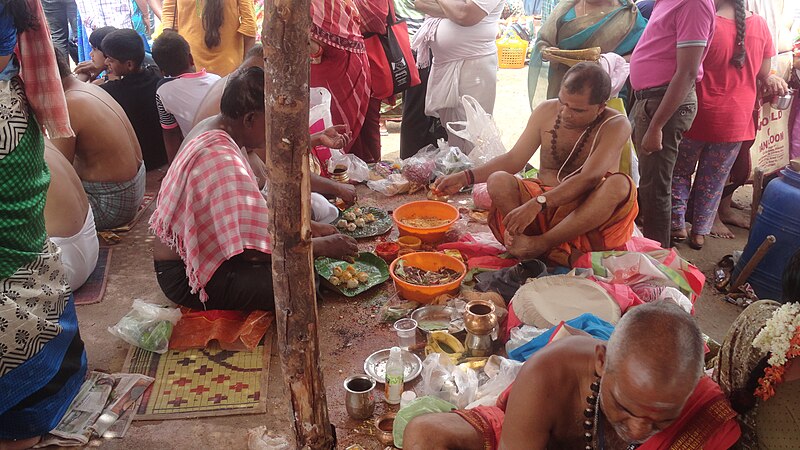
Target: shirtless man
[
  {"x": 69, "y": 219},
  {"x": 648, "y": 378},
  {"x": 578, "y": 204},
  {"x": 104, "y": 150},
  {"x": 210, "y": 107}
]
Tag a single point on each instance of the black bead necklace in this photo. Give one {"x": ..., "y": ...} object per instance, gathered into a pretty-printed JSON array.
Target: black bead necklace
[{"x": 590, "y": 414}]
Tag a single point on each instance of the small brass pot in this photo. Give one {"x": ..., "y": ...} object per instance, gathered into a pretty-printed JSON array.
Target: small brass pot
[{"x": 479, "y": 317}]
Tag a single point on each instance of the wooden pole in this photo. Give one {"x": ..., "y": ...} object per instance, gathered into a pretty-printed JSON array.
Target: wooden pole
[{"x": 286, "y": 67}]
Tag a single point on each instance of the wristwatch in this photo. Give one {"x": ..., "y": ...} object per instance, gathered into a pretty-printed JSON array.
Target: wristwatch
[{"x": 542, "y": 201}]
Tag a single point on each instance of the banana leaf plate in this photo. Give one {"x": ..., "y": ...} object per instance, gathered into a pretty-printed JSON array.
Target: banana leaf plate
[
  {"x": 375, "y": 267},
  {"x": 383, "y": 223}
]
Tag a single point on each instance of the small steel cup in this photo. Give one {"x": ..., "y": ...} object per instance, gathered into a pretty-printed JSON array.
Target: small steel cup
[
  {"x": 359, "y": 397},
  {"x": 782, "y": 102}
]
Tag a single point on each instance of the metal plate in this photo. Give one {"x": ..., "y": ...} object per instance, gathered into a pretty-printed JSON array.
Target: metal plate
[
  {"x": 375, "y": 365},
  {"x": 438, "y": 317}
]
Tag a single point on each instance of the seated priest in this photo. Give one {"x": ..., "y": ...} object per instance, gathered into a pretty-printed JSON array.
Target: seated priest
[{"x": 579, "y": 203}]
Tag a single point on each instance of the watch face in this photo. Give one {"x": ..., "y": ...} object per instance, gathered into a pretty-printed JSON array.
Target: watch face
[{"x": 541, "y": 200}]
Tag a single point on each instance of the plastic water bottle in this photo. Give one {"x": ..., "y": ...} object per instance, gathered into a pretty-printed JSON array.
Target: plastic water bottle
[{"x": 394, "y": 376}]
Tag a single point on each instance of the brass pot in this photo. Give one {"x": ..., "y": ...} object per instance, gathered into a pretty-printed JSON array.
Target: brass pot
[
  {"x": 340, "y": 174},
  {"x": 479, "y": 317}
]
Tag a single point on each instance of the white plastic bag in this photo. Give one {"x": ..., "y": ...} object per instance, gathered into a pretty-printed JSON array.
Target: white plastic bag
[
  {"x": 357, "y": 169},
  {"x": 450, "y": 159},
  {"x": 147, "y": 326},
  {"x": 522, "y": 335},
  {"x": 319, "y": 119},
  {"x": 501, "y": 372},
  {"x": 443, "y": 379},
  {"x": 480, "y": 129}
]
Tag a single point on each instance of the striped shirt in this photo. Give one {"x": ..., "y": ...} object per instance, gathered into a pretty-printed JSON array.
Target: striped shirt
[{"x": 404, "y": 10}]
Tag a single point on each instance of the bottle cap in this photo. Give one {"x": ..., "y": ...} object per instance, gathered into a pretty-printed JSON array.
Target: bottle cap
[{"x": 407, "y": 396}]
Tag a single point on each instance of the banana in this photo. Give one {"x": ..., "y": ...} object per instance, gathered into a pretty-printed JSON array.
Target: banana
[
  {"x": 446, "y": 344},
  {"x": 571, "y": 57}
]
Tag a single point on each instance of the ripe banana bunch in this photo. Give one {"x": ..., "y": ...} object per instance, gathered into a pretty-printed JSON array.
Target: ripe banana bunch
[
  {"x": 570, "y": 57},
  {"x": 446, "y": 344}
]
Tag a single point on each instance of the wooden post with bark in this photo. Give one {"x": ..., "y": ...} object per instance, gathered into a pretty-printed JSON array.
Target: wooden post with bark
[{"x": 286, "y": 66}]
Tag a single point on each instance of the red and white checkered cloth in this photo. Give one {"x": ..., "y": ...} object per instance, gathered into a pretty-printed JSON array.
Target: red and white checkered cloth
[
  {"x": 210, "y": 208},
  {"x": 39, "y": 72}
]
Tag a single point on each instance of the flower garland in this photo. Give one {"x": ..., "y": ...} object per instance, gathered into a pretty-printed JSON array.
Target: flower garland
[{"x": 780, "y": 337}]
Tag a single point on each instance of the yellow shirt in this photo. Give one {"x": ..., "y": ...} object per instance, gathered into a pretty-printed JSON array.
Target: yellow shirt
[{"x": 238, "y": 22}]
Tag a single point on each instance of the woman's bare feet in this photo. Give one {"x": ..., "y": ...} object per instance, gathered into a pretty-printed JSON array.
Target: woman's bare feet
[
  {"x": 697, "y": 241},
  {"x": 679, "y": 235},
  {"x": 720, "y": 230},
  {"x": 731, "y": 217}
]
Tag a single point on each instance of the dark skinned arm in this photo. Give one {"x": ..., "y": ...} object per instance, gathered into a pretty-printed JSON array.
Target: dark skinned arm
[
  {"x": 173, "y": 138},
  {"x": 605, "y": 158},
  {"x": 689, "y": 60},
  {"x": 512, "y": 161}
]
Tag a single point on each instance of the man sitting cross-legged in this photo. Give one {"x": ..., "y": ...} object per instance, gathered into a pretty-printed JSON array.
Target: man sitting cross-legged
[
  {"x": 211, "y": 220},
  {"x": 645, "y": 386},
  {"x": 578, "y": 204},
  {"x": 319, "y": 185},
  {"x": 104, "y": 150}
]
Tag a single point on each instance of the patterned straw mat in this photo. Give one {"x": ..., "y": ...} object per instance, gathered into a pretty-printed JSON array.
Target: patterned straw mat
[{"x": 202, "y": 382}]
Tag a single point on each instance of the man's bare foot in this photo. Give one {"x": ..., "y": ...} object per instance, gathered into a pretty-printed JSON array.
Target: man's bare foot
[
  {"x": 720, "y": 230},
  {"x": 731, "y": 217},
  {"x": 526, "y": 247}
]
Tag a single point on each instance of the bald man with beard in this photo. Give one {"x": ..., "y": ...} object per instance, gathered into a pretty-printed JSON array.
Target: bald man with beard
[{"x": 643, "y": 389}]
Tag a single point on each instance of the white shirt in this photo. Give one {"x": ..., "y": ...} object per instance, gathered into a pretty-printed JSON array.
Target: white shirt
[
  {"x": 454, "y": 42},
  {"x": 179, "y": 99}
]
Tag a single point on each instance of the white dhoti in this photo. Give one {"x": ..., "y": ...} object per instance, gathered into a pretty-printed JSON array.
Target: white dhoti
[
  {"x": 449, "y": 81},
  {"x": 79, "y": 252}
]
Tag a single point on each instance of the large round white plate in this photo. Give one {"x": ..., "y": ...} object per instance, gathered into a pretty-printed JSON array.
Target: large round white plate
[{"x": 545, "y": 302}]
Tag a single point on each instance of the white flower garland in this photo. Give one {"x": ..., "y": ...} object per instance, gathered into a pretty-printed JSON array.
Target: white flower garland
[{"x": 778, "y": 331}]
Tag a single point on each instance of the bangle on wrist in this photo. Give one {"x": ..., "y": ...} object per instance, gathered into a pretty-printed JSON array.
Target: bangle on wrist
[
  {"x": 317, "y": 54},
  {"x": 470, "y": 177}
]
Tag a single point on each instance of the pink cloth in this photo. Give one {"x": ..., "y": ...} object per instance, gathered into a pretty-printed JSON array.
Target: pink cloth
[
  {"x": 210, "y": 208},
  {"x": 39, "y": 72},
  {"x": 338, "y": 24},
  {"x": 726, "y": 95},
  {"x": 674, "y": 24}
]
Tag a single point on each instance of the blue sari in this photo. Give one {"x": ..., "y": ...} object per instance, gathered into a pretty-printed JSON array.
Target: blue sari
[{"x": 615, "y": 32}]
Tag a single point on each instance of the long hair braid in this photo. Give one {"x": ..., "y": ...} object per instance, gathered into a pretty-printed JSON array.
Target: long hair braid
[
  {"x": 212, "y": 22},
  {"x": 740, "y": 52}
]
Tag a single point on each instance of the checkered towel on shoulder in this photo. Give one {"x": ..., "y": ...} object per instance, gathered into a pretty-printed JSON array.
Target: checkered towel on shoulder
[
  {"x": 210, "y": 208},
  {"x": 40, "y": 75}
]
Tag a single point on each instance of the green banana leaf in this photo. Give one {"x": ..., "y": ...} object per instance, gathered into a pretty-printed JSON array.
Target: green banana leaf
[
  {"x": 383, "y": 223},
  {"x": 375, "y": 267}
]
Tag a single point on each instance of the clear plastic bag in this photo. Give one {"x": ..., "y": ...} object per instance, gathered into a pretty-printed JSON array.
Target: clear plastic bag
[
  {"x": 522, "y": 335},
  {"x": 357, "y": 169},
  {"x": 480, "y": 129},
  {"x": 147, "y": 326},
  {"x": 443, "y": 379},
  {"x": 419, "y": 169},
  {"x": 450, "y": 159},
  {"x": 501, "y": 372},
  {"x": 393, "y": 184}
]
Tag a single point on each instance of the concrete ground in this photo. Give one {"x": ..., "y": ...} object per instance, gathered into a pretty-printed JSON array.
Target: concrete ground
[{"x": 349, "y": 330}]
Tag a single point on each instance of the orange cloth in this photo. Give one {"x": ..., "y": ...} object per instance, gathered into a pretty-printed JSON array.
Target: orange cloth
[
  {"x": 234, "y": 330},
  {"x": 707, "y": 422},
  {"x": 239, "y": 21},
  {"x": 611, "y": 235}
]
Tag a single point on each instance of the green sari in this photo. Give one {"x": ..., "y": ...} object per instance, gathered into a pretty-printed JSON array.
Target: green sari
[{"x": 615, "y": 32}]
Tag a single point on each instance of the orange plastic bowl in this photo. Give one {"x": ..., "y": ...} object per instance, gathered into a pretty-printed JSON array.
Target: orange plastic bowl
[
  {"x": 428, "y": 261},
  {"x": 425, "y": 208}
]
